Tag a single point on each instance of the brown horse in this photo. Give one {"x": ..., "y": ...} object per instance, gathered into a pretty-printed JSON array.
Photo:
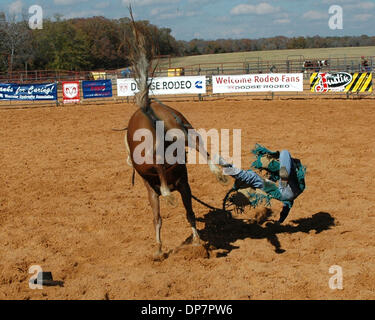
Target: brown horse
[{"x": 160, "y": 177}]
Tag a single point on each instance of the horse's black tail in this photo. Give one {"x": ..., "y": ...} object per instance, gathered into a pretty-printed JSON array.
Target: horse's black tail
[{"x": 133, "y": 177}]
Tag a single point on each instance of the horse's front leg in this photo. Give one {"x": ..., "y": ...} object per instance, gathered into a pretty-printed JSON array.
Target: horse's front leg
[{"x": 195, "y": 141}]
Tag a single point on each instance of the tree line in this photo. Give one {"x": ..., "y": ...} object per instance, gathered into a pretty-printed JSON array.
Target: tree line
[
  {"x": 197, "y": 46},
  {"x": 75, "y": 44},
  {"x": 101, "y": 43}
]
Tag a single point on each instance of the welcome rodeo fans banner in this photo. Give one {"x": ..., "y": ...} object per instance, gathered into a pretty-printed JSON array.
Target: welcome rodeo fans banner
[
  {"x": 257, "y": 82},
  {"x": 97, "y": 89},
  {"x": 341, "y": 82},
  {"x": 71, "y": 92},
  {"x": 36, "y": 92},
  {"x": 164, "y": 85}
]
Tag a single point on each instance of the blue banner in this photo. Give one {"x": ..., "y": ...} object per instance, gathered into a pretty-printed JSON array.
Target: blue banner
[
  {"x": 13, "y": 91},
  {"x": 97, "y": 89}
]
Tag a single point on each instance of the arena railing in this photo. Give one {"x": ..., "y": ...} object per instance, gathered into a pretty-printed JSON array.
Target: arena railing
[{"x": 208, "y": 69}]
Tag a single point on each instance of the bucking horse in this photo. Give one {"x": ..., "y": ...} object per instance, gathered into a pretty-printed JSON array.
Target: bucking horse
[{"x": 160, "y": 177}]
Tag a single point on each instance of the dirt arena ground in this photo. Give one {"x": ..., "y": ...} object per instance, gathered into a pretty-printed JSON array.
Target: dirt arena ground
[{"x": 67, "y": 204}]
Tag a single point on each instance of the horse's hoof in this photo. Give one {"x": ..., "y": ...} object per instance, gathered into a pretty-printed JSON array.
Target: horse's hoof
[{"x": 158, "y": 256}]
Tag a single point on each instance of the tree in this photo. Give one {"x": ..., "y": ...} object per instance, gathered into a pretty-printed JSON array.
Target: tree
[
  {"x": 61, "y": 46},
  {"x": 15, "y": 36}
]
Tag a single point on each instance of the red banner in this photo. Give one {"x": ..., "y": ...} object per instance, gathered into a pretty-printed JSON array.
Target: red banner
[{"x": 71, "y": 92}]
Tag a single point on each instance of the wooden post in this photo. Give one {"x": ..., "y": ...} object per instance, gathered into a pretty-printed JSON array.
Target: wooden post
[{"x": 57, "y": 93}]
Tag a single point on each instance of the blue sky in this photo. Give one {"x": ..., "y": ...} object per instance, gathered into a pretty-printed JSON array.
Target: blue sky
[{"x": 214, "y": 19}]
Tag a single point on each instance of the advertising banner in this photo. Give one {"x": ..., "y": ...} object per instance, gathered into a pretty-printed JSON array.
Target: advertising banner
[
  {"x": 257, "y": 82},
  {"x": 97, "y": 89},
  {"x": 164, "y": 85},
  {"x": 36, "y": 92},
  {"x": 70, "y": 92},
  {"x": 341, "y": 82}
]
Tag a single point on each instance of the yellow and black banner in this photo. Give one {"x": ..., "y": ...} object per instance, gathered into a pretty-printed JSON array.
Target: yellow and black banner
[{"x": 341, "y": 82}]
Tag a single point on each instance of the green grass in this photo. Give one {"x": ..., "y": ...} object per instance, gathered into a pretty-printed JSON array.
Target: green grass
[{"x": 273, "y": 55}]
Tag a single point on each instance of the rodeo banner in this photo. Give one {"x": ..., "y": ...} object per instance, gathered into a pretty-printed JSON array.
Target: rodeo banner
[
  {"x": 71, "y": 92},
  {"x": 37, "y": 92},
  {"x": 97, "y": 89},
  {"x": 165, "y": 85},
  {"x": 257, "y": 82},
  {"x": 341, "y": 82}
]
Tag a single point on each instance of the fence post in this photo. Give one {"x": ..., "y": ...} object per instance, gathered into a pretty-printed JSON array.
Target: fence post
[{"x": 57, "y": 93}]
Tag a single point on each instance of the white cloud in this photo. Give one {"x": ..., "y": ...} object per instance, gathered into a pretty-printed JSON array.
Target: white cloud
[
  {"x": 363, "y": 17},
  {"x": 83, "y": 14},
  {"x": 315, "y": 15},
  {"x": 166, "y": 13},
  {"x": 223, "y": 19},
  {"x": 147, "y": 2},
  {"x": 192, "y": 13},
  {"x": 15, "y": 7},
  {"x": 233, "y": 32},
  {"x": 282, "y": 21},
  {"x": 67, "y": 2},
  {"x": 260, "y": 9},
  {"x": 201, "y": 2},
  {"x": 336, "y": 1},
  {"x": 102, "y": 5},
  {"x": 351, "y": 4},
  {"x": 166, "y": 16},
  {"x": 361, "y": 5}
]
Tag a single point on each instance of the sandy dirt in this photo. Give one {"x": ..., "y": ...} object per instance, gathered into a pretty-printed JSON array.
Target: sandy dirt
[{"x": 67, "y": 204}]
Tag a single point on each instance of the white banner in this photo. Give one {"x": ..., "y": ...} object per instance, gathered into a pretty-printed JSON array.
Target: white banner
[
  {"x": 257, "y": 82},
  {"x": 164, "y": 85}
]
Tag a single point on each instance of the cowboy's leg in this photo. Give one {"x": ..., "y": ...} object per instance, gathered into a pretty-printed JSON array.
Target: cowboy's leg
[
  {"x": 286, "y": 160},
  {"x": 248, "y": 177},
  {"x": 288, "y": 184},
  {"x": 285, "y": 171}
]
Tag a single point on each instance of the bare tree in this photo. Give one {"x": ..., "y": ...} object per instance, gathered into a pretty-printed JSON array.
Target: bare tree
[{"x": 15, "y": 35}]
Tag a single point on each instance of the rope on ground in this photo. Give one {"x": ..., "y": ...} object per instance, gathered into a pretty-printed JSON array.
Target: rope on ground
[{"x": 203, "y": 203}]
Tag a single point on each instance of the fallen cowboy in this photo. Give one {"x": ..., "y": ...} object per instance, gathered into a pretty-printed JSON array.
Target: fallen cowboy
[{"x": 285, "y": 182}]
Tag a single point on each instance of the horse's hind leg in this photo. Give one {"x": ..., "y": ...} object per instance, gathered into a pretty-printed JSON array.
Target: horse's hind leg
[
  {"x": 164, "y": 190},
  {"x": 155, "y": 205},
  {"x": 184, "y": 189},
  {"x": 194, "y": 139}
]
